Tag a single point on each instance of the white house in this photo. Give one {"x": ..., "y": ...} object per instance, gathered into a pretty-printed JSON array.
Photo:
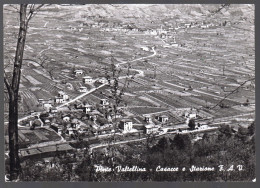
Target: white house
[
  {"x": 145, "y": 48},
  {"x": 83, "y": 89},
  {"x": 63, "y": 95},
  {"x": 102, "y": 80},
  {"x": 203, "y": 127},
  {"x": 88, "y": 79},
  {"x": 190, "y": 115},
  {"x": 204, "y": 26},
  {"x": 54, "y": 110},
  {"x": 47, "y": 122},
  {"x": 93, "y": 115},
  {"x": 187, "y": 25},
  {"x": 78, "y": 72},
  {"x": 147, "y": 119},
  {"x": 175, "y": 45},
  {"x": 104, "y": 102},
  {"x": 43, "y": 101},
  {"x": 126, "y": 125},
  {"x": 47, "y": 106},
  {"x": 153, "y": 32},
  {"x": 148, "y": 129},
  {"x": 87, "y": 108},
  {"x": 59, "y": 100},
  {"x": 75, "y": 124},
  {"x": 70, "y": 131},
  {"x": 66, "y": 118}
]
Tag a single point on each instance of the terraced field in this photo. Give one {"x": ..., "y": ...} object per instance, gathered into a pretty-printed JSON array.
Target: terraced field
[{"x": 147, "y": 110}]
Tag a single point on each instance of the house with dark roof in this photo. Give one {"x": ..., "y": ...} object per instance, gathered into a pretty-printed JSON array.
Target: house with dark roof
[{"x": 163, "y": 118}]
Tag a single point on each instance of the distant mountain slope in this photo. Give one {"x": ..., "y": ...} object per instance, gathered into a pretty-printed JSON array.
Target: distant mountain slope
[
  {"x": 150, "y": 12},
  {"x": 121, "y": 11}
]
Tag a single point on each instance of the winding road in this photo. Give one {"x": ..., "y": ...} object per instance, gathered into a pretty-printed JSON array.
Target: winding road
[
  {"x": 140, "y": 73},
  {"x": 80, "y": 96}
]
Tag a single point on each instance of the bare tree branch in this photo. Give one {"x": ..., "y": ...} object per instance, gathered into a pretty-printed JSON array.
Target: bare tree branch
[
  {"x": 50, "y": 71},
  {"x": 16, "y": 8},
  {"x": 7, "y": 83},
  {"x": 9, "y": 63},
  {"x": 32, "y": 12},
  {"x": 219, "y": 9}
]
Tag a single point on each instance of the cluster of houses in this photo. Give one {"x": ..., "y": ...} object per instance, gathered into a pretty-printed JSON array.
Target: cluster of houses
[
  {"x": 92, "y": 120},
  {"x": 88, "y": 80},
  {"x": 62, "y": 97},
  {"x": 84, "y": 118},
  {"x": 48, "y": 104}
]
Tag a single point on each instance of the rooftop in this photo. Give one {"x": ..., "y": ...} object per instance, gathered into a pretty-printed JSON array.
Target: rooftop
[
  {"x": 87, "y": 77},
  {"x": 150, "y": 126},
  {"x": 126, "y": 120}
]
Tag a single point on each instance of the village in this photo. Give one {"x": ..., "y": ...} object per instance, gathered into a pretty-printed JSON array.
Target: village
[
  {"x": 83, "y": 121},
  {"x": 68, "y": 120}
]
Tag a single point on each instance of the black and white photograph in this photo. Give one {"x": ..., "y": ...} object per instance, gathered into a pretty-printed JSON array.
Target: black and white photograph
[{"x": 129, "y": 92}]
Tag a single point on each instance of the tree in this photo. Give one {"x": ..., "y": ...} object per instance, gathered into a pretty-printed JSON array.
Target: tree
[
  {"x": 162, "y": 144},
  {"x": 116, "y": 91},
  {"x": 12, "y": 85},
  {"x": 182, "y": 142},
  {"x": 251, "y": 128},
  {"x": 192, "y": 124}
]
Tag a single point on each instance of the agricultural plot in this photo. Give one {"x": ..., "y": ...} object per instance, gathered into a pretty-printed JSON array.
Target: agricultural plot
[
  {"x": 133, "y": 101},
  {"x": 196, "y": 101},
  {"x": 215, "y": 100},
  {"x": 99, "y": 95},
  {"x": 29, "y": 99},
  {"x": 170, "y": 101},
  {"x": 131, "y": 83},
  {"x": 141, "y": 89},
  {"x": 91, "y": 99},
  {"x": 174, "y": 119},
  {"x": 38, "y": 135},
  {"x": 39, "y": 72},
  {"x": 32, "y": 80},
  {"x": 244, "y": 93},
  {"x": 174, "y": 85},
  {"x": 52, "y": 89},
  {"x": 214, "y": 90},
  {"x": 147, "y": 110},
  {"x": 226, "y": 112},
  {"x": 42, "y": 94},
  {"x": 153, "y": 103}
]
